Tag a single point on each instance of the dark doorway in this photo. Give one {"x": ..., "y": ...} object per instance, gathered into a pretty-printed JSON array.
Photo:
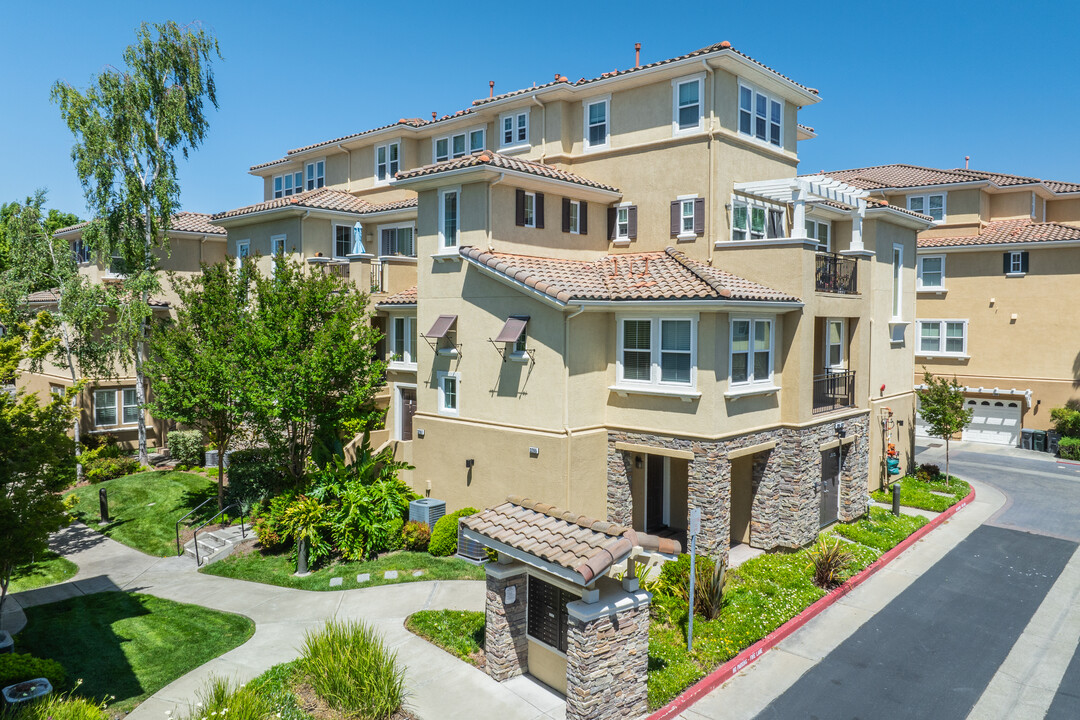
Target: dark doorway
[
  {"x": 654, "y": 493},
  {"x": 408, "y": 410},
  {"x": 829, "y": 494},
  {"x": 742, "y": 498}
]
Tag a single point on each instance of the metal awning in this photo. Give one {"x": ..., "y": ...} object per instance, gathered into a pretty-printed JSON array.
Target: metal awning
[
  {"x": 512, "y": 330},
  {"x": 442, "y": 326}
]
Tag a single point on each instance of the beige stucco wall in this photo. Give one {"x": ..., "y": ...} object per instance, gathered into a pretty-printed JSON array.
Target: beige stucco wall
[
  {"x": 1063, "y": 211},
  {"x": 550, "y": 241},
  {"x": 1011, "y": 205}
]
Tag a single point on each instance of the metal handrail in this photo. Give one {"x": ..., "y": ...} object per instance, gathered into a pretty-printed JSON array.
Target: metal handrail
[
  {"x": 195, "y": 536},
  {"x": 180, "y": 552}
]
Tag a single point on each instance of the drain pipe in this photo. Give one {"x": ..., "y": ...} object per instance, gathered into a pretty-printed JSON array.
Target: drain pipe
[
  {"x": 710, "y": 203},
  {"x": 543, "y": 129},
  {"x": 491, "y": 245},
  {"x": 566, "y": 393}
]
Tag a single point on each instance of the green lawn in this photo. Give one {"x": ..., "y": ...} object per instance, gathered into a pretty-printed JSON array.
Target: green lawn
[
  {"x": 278, "y": 569},
  {"x": 458, "y": 632},
  {"x": 49, "y": 570},
  {"x": 919, "y": 494},
  {"x": 128, "y": 645},
  {"x": 145, "y": 507},
  {"x": 882, "y": 531}
]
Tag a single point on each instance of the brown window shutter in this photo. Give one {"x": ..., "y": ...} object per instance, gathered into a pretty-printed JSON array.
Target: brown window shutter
[
  {"x": 566, "y": 215},
  {"x": 539, "y": 210},
  {"x": 519, "y": 207},
  {"x": 611, "y": 226},
  {"x": 699, "y": 216},
  {"x": 583, "y": 218},
  {"x": 676, "y": 217},
  {"x": 633, "y": 222}
]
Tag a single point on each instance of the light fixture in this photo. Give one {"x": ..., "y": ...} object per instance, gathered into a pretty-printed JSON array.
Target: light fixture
[
  {"x": 637, "y": 462},
  {"x": 534, "y": 452},
  {"x": 469, "y": 463}
]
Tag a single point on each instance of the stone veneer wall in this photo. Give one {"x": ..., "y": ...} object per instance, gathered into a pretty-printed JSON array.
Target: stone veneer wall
[
  {"x": 506, "y": 646},
  {"x": 786, "y": 482},
  {"x": 607, "y": 666}
]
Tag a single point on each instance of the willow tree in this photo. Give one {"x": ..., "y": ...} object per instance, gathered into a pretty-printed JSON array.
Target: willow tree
[{"x": 129, "y": 126}]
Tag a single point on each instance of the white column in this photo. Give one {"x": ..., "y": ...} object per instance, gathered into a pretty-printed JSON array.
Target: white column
[
  {"x": 856, "y": 226},
  {"x": 798, "y": 221}
]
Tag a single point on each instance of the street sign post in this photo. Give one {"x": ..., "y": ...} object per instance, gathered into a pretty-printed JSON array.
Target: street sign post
[{"x": 693, "y": 530}]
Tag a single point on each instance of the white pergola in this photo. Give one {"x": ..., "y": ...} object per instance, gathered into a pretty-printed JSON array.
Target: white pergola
[{"x": 797, "y": 190}]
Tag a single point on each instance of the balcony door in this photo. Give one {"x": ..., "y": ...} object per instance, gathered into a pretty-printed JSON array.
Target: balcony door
[
  {"x": 835, "y": 345},
  {"x": 406, "y": 409}
]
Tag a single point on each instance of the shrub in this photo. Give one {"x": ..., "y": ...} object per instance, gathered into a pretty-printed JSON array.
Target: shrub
[
  {"x": 416, "y": 536},
  {"x": 254, "y": 475},
  {"x": 63, "y": 707},
  {"x": 186, "y": 447},
  {"x": 1066, "y": 421},
  {"x": 828, "y": 559},
  {"x": 269, "y": 521},
  {"x": 220, "y": 695},
  {"x": 350, "y": 668},
  {"x": 928, "y": 472},
  {"x": 1069, "y": 448},
  {"x": 18, "y": 667},
  {"x": 444, "y": 534},
  {"x": 710, "y": 579},
  {"x": 108, "y": 468},
  {"x": 305, "y": 518}
]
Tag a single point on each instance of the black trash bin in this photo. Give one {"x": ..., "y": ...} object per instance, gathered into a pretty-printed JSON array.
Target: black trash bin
[
  {"x": 1026, "y": 439},
  {"x": 1052, "y": 439},
  {"x": 1039, "y": 441}
]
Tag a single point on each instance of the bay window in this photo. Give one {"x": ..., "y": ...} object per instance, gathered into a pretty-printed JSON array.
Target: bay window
[
  {"x": 658, "y": 352},
  {"x": 751, "y": 351}
]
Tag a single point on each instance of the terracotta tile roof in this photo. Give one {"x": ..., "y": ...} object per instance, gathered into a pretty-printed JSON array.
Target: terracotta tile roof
[
  {"x": 1008, "y": 231},
  {"x": 880, "y": 177},
  {"x": 502, "y": 162},
  {"x": 665, "y": 275},
  {"x": 48, "y": 297},
  {"x": 578, "y": 543},
  {"x": 879, "y": 203},
  {"x": 320, "y": 199},
  {"x": 183, "y": 221},
  {"x": 807, "y": 128},
  {"x": 405, "y": 297},
  {"x": 391, "y": 206}
]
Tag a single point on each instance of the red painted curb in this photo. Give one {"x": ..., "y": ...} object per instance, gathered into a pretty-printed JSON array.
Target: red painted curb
[{"x": 733, "y": 666}]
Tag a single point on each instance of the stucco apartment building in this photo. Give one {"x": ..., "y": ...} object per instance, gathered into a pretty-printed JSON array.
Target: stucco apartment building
[
  {"x": 997, "y": 285},
  {"x": 109, "y": 405},
  {"x": 615, "y": 295}
]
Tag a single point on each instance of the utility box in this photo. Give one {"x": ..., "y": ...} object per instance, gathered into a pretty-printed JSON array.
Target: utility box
[
  {"x": 427, "y": 511},
  {"x": 468, "y": 549}
]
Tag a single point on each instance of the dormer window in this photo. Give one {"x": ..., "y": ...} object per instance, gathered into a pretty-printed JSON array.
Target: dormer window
[
  {"x": 932, "y": 205},
  {"x": 288, "y": 184},
  {"x": 514, "y": 129},
  {"x": 315, "y": 172},
  {"x": 458, "y": 145},
  {"x": 387, "y": 161}
]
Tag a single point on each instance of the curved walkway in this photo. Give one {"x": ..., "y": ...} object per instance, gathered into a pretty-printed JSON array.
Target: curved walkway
[{"x": 441, "y": 685}]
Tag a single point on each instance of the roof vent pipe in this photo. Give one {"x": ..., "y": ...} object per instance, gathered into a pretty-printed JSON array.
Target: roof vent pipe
[
  {"x": 967, "y": 160},
  {"x": 491, "y": 88},
  {"x": 637, "y": 55},
  {"x": 434, "y": 115}
]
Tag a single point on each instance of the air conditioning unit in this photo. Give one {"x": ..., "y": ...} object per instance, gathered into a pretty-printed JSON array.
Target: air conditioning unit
[
  {"x": 469, "y": 550},
  {"x": 427, "y": 511}
]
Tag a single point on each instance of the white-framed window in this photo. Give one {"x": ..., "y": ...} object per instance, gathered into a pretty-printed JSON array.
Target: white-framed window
[
  {"x": 117, "y": 266},
  {"x": 686, "y": 216},
  {"x": 931, "y": 272},
  {"x": 131, "y": 406},
  {"x": 530, "y": 209},
  {"x": 835, "y": 342},
  {"x": 751, "y": 351},
  {"x": 288, "y": 184},
  {"x": 387, "y": 161},
  {"x": 477, "y": 140},
  {"x": 104, "y": 407},
  {"x": 622, "y": 222},
  {"x": 458, "y": 145},
  {"x": 761, "y": 116},
  {"x": 449, "y": 220},
  {"x": 519, "y": 344},
  {"x": 80, "y": 252},
  {"x": 514, "y": 129},
  {"x": 657, "y": 351},
  {"x": 108, "y": 402},
  {"x": 820, "y": 230},
  {"x": 897, "y": 281},
  {"x": 403, "y": 339},
  {"x": 932, "y": 205},
  {"x": 688, "y": 96},
  {"x": 574, "y": 217},
  {"x": 756, "y": 221},
  {"x": 315, "y": 174},
  {"x": 449, "y": 392},
  {"x": 277, "y": 244},
  {"x": 596, "y": 118},
  {"x": 943, "y": 337},
  {"x": 1016, "y": 262},
  {"x": 342, "y": 240},
  {"x": 243, "y": 250},
  {"x": 397, "y": 239}
]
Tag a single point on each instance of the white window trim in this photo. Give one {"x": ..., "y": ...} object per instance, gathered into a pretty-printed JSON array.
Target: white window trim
[
  {"x": 1016, "y": 259},
  {"x": 682, "y": 200},
  {"x": 399, "y": 414},
  {"x": 443, "y": 248},
  {"x": 655, "y": 385},
  {"x": 515, "y": 144},
  {"x": 389, "y": 175},
  {"x": 483, "y": 135},
  {"x": 816, "y": 222},
  {"x": 752, "y": 137},
  {"x": 529, "y": 222},
  {"x": 397, "y": 226},
  {"x": 408, "y": 360},
  {"x": 333, "y": 238},
  {"x": 620, "y": 239},
  {"x": 439, "y": 377},
  {"x": 897, "y": 298},
  {"x": 295, "y": 190},
  {"x": 931, "y": 288},
  {"x": 699, "y": 78},
  {"x": 274, "y": 239},
  {"x": 766, "y": 384},
  {"x": 942, "y": 338},
  {"x": 586, "y": 147},
  {"x": 118, "y": 398},
  {"x": 752, "y": 203},
  {"x": 575, "y": 229},
  {"x": 841, "y": 364},
  {"x": 926, "y": 204},
  {"x": 449, "y": 138},
  {"x": 315, "y": 175}
]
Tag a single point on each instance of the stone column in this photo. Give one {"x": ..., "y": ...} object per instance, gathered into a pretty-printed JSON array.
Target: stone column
[
  {"x": 607, "y": 657},
  {"x": 505, "y": 644}
]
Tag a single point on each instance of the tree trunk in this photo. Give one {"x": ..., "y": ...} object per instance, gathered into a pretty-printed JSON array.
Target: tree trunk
[
  {"x": 140, "y": 397},
  {"x": 221, "y": 476},
  {"x": 5, "y": 580},
  {"x": 78, "y": 408},
  {"x": 948, "y": 479}
]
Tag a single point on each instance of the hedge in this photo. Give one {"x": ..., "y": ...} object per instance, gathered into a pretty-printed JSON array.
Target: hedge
[{"x": 186, "y": 447}]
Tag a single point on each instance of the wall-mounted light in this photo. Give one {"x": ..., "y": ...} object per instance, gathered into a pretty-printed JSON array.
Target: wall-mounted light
[
  {"x": 469, "y": 463},
  {"x": 637, "y": 462},
  {"x": 419, "y": 433},
  {"x": 534, "y": 452}
]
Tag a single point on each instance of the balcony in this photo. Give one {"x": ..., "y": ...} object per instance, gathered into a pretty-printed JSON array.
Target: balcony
[
  {"x": 340, "y": 269},
  {"x": 377, "y": 282},
  {"x": 836, "y": 274},
  {"x": 834, "y": 390}
]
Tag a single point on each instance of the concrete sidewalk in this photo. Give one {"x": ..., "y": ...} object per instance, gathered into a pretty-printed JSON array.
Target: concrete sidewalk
[{"x": 441, "y": 686}]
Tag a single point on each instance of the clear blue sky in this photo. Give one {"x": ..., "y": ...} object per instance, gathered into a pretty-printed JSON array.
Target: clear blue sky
[{"x": 918, "y": 82}]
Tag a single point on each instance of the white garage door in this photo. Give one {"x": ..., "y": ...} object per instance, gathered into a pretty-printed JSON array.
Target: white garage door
[{"x": 993, "y": 421}]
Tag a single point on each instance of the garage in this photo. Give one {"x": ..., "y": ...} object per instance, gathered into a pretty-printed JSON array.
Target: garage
[{"x": 993, "y": 421}]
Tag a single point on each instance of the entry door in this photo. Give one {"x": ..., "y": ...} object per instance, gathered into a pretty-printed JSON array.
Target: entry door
[
  {"x": 655, "y": 495},
  {"x": 408, "y": 410},
  {"x": 742, "y": 498},
  {"x": 829, "y": 494}
]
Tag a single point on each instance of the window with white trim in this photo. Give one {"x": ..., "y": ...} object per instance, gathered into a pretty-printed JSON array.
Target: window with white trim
[
  {"x": 277, "y": 244},
  {"x": 519, "y": 344},
  {"x": 687, "y": 104},
  {"x": 897, "y": 281},
  {"x": 835, "y": 340},
  {"x": 477, "y": 140},
  {"x": 1016, "y": 261},
  {"x": 751, "y": 351},
  {"x": 514, "y": 129},
  {"x": 459, "y": 144},
  {"x": 943, "y": 337},
  {"x": 449, "y": 387},
  {"x": 820, "y": 230},
  {"x": 403, "y": 339},
  {"x": 131, "y": 406},
  {"x": 343, "y": 236},
  {"x": 243, "y": 250},
  {"x": 755, "y": 221},
  {"x": 622, "y": 223},
  {"x": 530, "y": 209},
  {"x": 80, "y": 252},
  {"x": 449, "y": 222},
  {"x": 104, "y": 407},
  {"x": 315, "y": 172},
  {"x": 288, "y": 184},
  {"x": 686, "y": 216},
  {"x": 387, "y": 161},
  {"x": 932, "y": 205},
  {"x": 575, "y": 217},
  {"x": 107, "y": 402},
  {"x": 397, "y": 240},
  {"x": 761, "y": 116},
  {"x": 596, "y": 123},
  {"x": 931, "y": 272},
  {"x": 658, "y": 352}
]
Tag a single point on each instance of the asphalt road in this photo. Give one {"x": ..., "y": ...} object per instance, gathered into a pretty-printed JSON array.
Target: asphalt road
[{"x": 933, "y": 651}]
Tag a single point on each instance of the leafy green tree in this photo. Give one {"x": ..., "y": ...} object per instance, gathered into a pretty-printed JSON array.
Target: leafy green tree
[
  {"x": 53, "y": 221},
  {"x": 129, "y": 126},
  {"x": 941, "y": 405},
  {"x": 196, "y": 364},
  {"x": 39, "y": 261},
  {"x": 312, "y": 372},
  {"x": 37, "y": 458}
]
